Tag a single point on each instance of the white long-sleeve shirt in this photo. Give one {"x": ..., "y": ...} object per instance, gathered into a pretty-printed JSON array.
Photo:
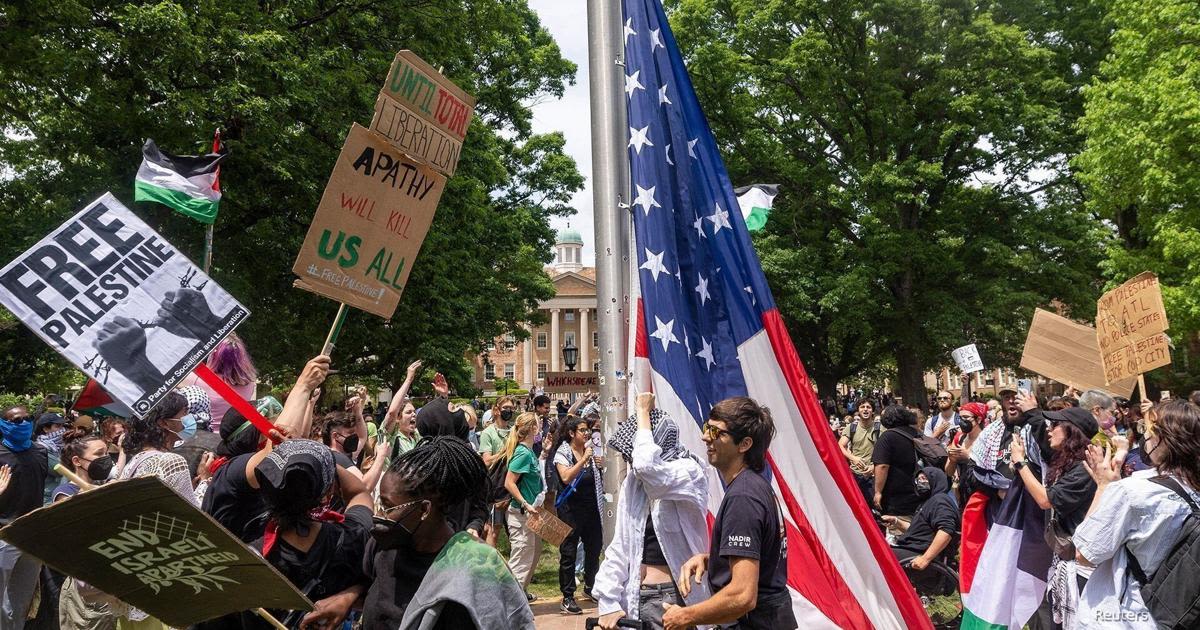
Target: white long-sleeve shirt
[{"x": 678, "y": 491}]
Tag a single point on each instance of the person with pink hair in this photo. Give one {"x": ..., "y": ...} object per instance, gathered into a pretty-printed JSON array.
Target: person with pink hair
[{"x": 231, "y": 361}]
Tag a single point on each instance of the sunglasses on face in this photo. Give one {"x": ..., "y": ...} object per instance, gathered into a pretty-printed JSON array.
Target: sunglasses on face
[
  {"x": 944, "y": 398},
  {"x": 714, "y": 433},
  {"x": 386, "y": 511}
]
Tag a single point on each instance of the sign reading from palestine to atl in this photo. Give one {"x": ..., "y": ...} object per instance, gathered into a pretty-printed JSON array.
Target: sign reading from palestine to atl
[{"x": 1131, "y": 325}]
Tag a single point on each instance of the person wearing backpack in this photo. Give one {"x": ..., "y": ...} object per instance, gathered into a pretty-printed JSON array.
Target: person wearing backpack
[
  {"x": 896, "y": 463},
  {"x": 1067, "y": 493},
  {"x": 1142, "y": 533},
  {"x": 858, "y": 444}
]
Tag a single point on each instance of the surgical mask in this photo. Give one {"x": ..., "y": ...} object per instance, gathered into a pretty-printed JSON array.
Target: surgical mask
[
  {"x": 100, "y": 468},
  {"x": 922, "y": 487},
  {"x": 189, "y": 427},
  {"x": 18, "y": 436},
  {"x": 506, "y": 415}
]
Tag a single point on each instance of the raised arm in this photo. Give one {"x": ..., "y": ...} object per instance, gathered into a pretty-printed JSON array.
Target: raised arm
[
  {"x": 294, "y": 420},
  {"x": 401, "y": 395}
]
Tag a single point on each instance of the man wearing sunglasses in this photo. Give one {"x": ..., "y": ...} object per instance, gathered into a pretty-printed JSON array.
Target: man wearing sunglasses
[
  {"x": 946, "y": 418},
  {"x": 28, "y": 466},
  {"x": 746, "y": 564}
]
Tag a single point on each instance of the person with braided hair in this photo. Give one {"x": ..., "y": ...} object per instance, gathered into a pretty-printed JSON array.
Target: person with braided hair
[{"x": 420, "y": 569}]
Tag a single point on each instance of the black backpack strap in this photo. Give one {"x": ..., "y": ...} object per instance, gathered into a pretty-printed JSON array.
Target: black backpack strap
[{"x": 1169, "y": 483}]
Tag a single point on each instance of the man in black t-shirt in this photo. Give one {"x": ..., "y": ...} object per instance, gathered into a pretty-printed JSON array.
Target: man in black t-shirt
[
  {"x": 28, "y": 467},
  {"x": 747, "y": 558}
]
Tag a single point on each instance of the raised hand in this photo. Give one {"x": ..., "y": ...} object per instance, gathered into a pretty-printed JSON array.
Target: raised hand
[
  {"x": 440, "y": 386},
  {"x": 645, "y": 401},
  {"x": 413, "y": 369},
  {"x": 186, "y": 313}
]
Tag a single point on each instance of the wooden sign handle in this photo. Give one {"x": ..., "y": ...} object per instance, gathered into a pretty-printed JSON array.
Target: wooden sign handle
[
  {"x": 335, "y": 330},
  {"x": 73, "y": 478},
  {"x": 269, "y": 618},
  {"x": 1142, "y": 387}
]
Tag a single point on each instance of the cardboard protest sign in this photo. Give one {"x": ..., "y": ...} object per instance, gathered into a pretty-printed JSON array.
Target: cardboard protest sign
[
  {"x": 415, "y": 136},
  {"x": 142, "y": 543},
  {"x": 368, "y": 229},
  {"x": 1067, "y": 352},
  {"x": 117, "y": 300},
  {"x": 968, "y": 359},
  {"x": 571, "y": 382},
  {"x": 431, "y": 96},
  {"x": 1131, "y": 322}
]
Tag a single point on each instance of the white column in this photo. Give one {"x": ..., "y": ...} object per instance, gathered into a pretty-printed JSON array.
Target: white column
[
  {"x": 585, "y": 341},
  {"x": 555, "y": 346},
  {"x": 527, "y": 361}
]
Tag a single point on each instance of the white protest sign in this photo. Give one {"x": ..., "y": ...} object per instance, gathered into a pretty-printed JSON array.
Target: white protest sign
[
  {"x": 967, "y": 358},
  {"x": 117, "y": 300}
]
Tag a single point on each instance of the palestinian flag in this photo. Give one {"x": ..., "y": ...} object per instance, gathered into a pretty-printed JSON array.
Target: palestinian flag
[
  {"x": 1004, "y": 579},
  {"x": 187, "y": 183},
  {"x": 94, "y": 401},
  {"x": 756, "y": 201}
]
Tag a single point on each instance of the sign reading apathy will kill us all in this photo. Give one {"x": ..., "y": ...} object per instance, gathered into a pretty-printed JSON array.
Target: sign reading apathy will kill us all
[
  {"x": 369, "y": 226},
  {"x": 117, "y": 300},
  {"x": 141, "y": 542}
]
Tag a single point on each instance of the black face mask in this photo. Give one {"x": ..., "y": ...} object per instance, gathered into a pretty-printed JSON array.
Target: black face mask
[
  {"x": 100, "y": 468},
  {"x": 506, "y": 415},
  {"x": 350, "y": 444},
  {"x": 922, "y": 488},
  {"x": 966, "y": 425},
  {"x": 389, "y": 534}
]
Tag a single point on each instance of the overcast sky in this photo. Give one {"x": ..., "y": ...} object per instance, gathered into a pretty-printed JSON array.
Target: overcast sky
[{"x": 567, "y": 22}]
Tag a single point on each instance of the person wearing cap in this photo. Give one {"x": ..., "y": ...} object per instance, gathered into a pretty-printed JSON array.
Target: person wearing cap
[{"x": 1067, "y": 493}]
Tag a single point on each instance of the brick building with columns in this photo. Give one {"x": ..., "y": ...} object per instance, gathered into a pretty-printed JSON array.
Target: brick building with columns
[{"x": 570, "y": 320}]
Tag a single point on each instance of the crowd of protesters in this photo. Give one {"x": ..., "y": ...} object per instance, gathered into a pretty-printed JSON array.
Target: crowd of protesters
[
  {"x": 1117, "y": 482},
  {"x": 370, "y": 511}
]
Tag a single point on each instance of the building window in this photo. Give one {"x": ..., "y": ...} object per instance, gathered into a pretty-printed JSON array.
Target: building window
[
  {"x": 596, "y": 366},
  {"x": 510, "y": 342},
  {"x": 510, "y": 371},
  {"x": 595, "y": 339},
  {"x": 570, "y": 316},
  {"x": 570, "y": 339},
  {"x": 541, "y": 341},
  {"x": 541, "y": 373},
  {"x": 489, "y": 372},
  {"x": 491, "y": 345}
]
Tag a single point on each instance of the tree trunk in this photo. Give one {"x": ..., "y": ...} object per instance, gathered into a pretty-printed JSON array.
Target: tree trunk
[
  {"x": 826, "y": 386},
  {"x": 911, "y": 376}
]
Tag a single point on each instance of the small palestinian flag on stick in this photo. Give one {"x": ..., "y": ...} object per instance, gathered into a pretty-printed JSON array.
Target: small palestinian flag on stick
[
  {"x": 756, "y": 201},
  {"x": 187, "y": 183}
]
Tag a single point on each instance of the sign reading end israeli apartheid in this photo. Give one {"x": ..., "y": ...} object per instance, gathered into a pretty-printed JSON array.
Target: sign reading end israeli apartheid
[
  {"x": 571, "y": 382},
  {"x": 1067, "y": 352},
  {"x": 968, "y": 359},
  {"x": 142, "y": 543},
  {"x": 1131, "y": 324},
  {"x": 118, "y": 301},
  {"x": 369, "y": 226}
]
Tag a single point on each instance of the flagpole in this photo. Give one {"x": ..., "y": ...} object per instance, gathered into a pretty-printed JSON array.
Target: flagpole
[
  {"x": 208, "y": 238},
  {"x": 610, "y": 183}
]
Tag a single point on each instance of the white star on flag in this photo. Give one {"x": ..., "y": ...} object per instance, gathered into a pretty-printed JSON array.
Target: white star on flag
[
  {"x": 692, "y": 147},
  {"x": 664, "y": 332},
  {"x": 629, "y": 30},
  {"x": 753, "y": 300},
  {"x": 656, "y": 40},
  {"x": 662, "y": 96},
  {"x": 706, "y": 353},
  {"x": 699, "y": 225},
  {"x": 638, "y": 139},
  {"x": 702, "y": 289},
  {"x": 632, "y": 84},
  {"x": 645, "y": 199},
  {"x": 720, "y": 219},
  {"x": 654, "y": 264}
]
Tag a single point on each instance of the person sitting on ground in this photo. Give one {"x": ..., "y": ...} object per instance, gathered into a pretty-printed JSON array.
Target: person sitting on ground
[
  {"x": 933, "y": 531},
  {"x": 1133, "y": 524},
  {"x": 422, "y": 574},
  {"x": 661, "y": 521}
]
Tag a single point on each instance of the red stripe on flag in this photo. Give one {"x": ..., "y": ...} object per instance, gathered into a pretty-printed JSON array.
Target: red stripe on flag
[
  {"x": 812, "y": 573},
  {"x": 641, "y": 343},
  {"x": 247, "y": 410},
  {"x": 974, "y": 535},
  {"x": 831, "y": 455}
]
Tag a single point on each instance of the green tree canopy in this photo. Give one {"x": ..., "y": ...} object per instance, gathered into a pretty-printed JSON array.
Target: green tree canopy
[
  {"x": 924, "y": 199},
  {"x": 82, "y": 84},
  {"x": 1142, "y": 159}
]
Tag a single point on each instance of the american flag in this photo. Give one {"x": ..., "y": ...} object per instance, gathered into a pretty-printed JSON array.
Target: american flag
[{"x": 705, "y": 328}]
